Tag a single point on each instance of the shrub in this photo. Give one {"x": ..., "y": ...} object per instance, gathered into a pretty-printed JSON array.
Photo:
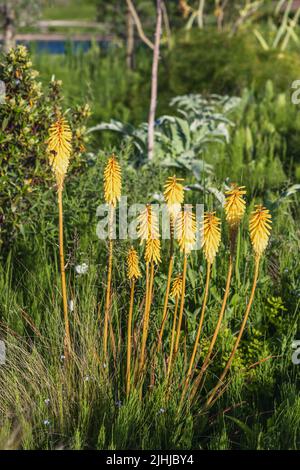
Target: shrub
[{"x": 26, "y": 113}]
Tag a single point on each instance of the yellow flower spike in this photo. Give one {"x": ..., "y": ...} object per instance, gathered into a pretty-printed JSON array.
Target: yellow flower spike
[
  {"x": 176, "y": 293},
  {"x": 211, "y": 236},
  {"x": 112, "y": 181},
  {"x": 59, "y": 148},
  {"x": 148, "y": 226},
  {"x": 144, "y": 224},
  {"x": 112, "y": 193},
  {"x": 235, "y": 205},
  {"x": 133, "y": 273},
  {"x": 260, "y": 228},
  {"x": 133, "y": 270},
  {"x": 174, "y": 195},
  {"x": 152, "y": 253},
  {"x": 185, "y": 229},
  {"x": 148, "y": 230},
  {"x": 176, "y": 290}
]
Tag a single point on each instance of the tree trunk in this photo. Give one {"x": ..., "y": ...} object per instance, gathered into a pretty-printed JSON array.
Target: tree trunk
[
  {"x": 8, "y": 27},
  {"x": 129, "y": 40},
  {"x": 153, "y": 101}
]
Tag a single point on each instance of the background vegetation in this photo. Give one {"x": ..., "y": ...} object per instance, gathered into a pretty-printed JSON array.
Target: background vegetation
[{"x": 255, "y": 141}]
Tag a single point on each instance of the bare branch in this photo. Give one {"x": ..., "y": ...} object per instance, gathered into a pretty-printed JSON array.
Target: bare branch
[
  {"x": 138, "y": 24},
  {"x": 153, "y": 101},
  {"x": 166, "y": 23}
]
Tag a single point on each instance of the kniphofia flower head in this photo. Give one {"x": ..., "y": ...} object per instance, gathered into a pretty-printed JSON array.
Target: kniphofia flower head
[
  {"x": 174, "y": 195},
  {"x": 59, "y": 148},
  {"x": 176, "y": 290},
  {"x": 211, "y": 236},
  {"x": 112, "y": 181},
  {"x": 148, "y": 226},
  {"x": 235, "y": 205},
  {"x": 148, "y": 231},
  {"x": 185, "y": 229},
  {"x": 152, "y": 252},
  {"x": 260, "y": 228},
  {"x": 133, "y": 270}
]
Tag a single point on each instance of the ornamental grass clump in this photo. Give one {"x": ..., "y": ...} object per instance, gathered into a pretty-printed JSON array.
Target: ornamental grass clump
[
  {"x": 59, "y": 150},
  {"x": 133, "y": 273},
  {"x": 260, "y": 229},
  {"x": 112, "y": 192}
]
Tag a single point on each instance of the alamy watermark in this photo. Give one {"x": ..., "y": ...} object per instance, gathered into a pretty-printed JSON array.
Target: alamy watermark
[
  {"x": 123, "y": 222},
  {"x": 2, "y": 92},
  {"x": 296, "y": 353},
  {"x": 2, "y": 353}
]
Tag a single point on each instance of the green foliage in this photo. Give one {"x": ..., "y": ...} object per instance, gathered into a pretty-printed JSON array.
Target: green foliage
[
  {"x": 85, "y": 411},
  {"x": 25, "y": 11},
  {"x": 206, "y": 61},
  {"x": 275, "y": 314},
  {"x": 100, "y": 78},
  {"x": 26, "y": 114},
  {"x": 42, "y": 406},
  {"x": 179, "y": 140}
]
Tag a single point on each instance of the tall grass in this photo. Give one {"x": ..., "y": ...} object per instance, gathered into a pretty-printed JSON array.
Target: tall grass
[{"x": 43, "y": 407}]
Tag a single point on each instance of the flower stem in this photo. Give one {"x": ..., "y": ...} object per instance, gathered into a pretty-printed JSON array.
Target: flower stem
[
  {"x": 63, "y": 274},
  {"x": 181, "y": 305},
  {"x": 238, "y": 339},
  {"x": 165, "y": 311},
  {"x": 129, "y": 334},
  {"x": 217, "y": 329},
  {"x": 108, "y": 288},
  {"x": 173, "y": 336},
  {"x": 156, "y": 348},
  {"x": 149, "y": 286},
  {"x": 189, "y": 373}
]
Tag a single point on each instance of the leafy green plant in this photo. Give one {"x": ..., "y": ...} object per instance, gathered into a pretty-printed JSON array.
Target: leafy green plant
[
  {"x": 203, "y": 121},
  {"x": 26, "y": 114}
]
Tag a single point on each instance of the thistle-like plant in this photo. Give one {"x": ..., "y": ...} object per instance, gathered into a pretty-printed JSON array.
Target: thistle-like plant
[
  {"x": 174, "y": 196},
  {"x": 211, "y": 238},
  {"x": 260, "y": 229},
  {"x": 112, "y": 192},
  {"x": 59, "y": 150},
  {"x": 148, "y": 232},
  {"x": 133, "y": 273}
]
